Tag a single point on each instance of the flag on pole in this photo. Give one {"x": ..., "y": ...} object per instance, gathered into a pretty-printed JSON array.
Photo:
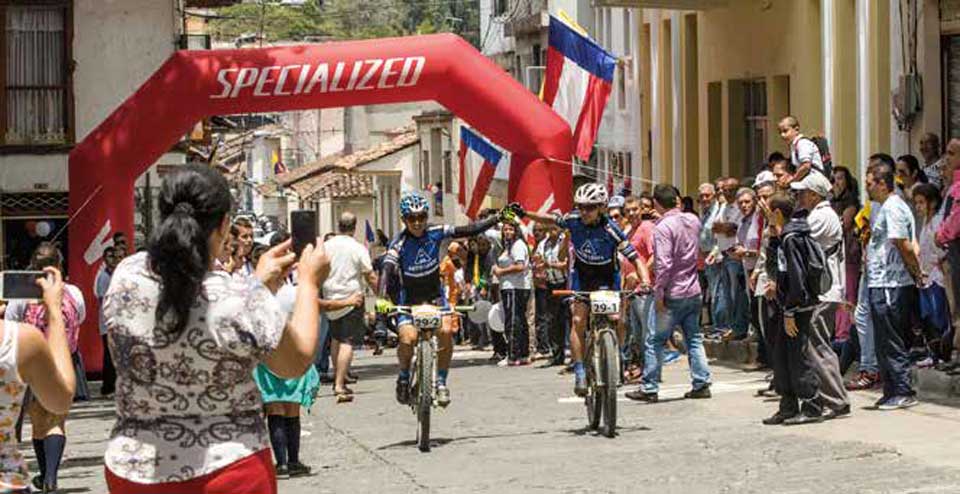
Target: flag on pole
[
  {"x": 370, "y": 238},
  {"x": 578, "y": 82},
  {"x": 278, "y": 166},
  {"x": 479, "y": 160}
]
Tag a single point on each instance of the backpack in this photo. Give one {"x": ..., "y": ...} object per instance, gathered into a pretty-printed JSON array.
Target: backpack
[
  {"x": 823, "y": 147},
  {"x": 818, "y": 278}
]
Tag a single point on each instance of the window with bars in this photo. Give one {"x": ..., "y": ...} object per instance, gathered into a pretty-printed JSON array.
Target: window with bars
[
  {"x": 37, "y": 98},
  {"x": 755, "y": 99}
]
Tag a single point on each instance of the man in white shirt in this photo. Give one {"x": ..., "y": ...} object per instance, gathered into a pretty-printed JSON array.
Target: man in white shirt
[
  {"x": 827, "y": 230},
  {"x": 349, "y": 266},
  {"x": 732, "y": 302}
]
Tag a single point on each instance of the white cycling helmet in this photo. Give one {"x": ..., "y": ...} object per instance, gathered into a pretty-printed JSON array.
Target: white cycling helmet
[{"x": 591, "y": 194}]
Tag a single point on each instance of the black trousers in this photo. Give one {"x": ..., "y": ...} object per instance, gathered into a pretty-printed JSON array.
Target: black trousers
[
  {"x": 794, "y": 376},
  {"x": 515, "y": 322},
  {"x": 109, "y": 372},
  {"x": 756, "y": 313},
  {"x": 555, "y": 321},
  {"x": 541, "y": 304},
  {"x": 768, "y": 314}
]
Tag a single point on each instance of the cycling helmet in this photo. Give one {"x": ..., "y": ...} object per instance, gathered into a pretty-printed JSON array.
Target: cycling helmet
[
  {"x": 591, "y": 194},
  {"x": 412, "y": 203}
]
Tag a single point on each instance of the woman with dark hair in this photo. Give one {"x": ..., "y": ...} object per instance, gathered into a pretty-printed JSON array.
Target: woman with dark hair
[
  {"x": 934, "y": 313},
  {"x": 186, "y": 337},
  {"x": 686, "y": 205},
  {"x": 48, "y": 428},
  {"x": 909, "y": 173},
  {"x": 513, "y": 270},
  {"x": 846, "y": 191}
]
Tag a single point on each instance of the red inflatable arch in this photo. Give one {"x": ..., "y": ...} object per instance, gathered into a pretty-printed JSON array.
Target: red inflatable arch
[{"x": 192, "y": 85}]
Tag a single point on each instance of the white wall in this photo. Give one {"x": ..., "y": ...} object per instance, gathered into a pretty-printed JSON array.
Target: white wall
[
  {"x": 492, "y": 39},
  {"x": 117, "y": 45},
  {"x": 619, "y": 129}
]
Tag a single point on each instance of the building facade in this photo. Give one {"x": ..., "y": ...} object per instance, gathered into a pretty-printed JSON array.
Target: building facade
[{"x": 716, "y": 76}]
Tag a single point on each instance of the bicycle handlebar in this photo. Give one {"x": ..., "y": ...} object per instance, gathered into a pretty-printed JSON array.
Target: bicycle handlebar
[
  {"x": 585, "y": 294},
  {"x": 457, "y": 310}
]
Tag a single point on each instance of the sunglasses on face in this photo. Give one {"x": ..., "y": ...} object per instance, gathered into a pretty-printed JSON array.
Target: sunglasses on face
[{"x": 417, "y": 218}]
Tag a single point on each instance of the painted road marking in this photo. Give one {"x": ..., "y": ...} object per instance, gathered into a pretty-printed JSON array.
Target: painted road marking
[{"x": 675, "y": 391}]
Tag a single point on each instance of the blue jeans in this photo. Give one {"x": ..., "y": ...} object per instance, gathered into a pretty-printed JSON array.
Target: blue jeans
[
  {"x": 712, "y": 274},
  {"x": 639, "y": 322},
  {"x": 864, "y": 322},
  {"x": 684, "y": 312},
  {"x": 733, "y": 306},
  {"x": 892, "y": 322}
]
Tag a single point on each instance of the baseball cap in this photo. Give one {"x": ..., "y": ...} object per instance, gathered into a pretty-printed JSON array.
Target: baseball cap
[
  {"x": 616, "y": 202},
  {"x": 814, "y": 181},
  {"x": 764, "y": 177}
]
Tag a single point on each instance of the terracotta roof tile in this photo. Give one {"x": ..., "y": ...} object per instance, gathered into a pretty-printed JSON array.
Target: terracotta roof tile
[{"x": 335, "y": 185}]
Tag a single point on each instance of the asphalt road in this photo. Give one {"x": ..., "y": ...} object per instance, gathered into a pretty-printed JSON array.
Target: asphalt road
[{"x": 521, "y": 430}]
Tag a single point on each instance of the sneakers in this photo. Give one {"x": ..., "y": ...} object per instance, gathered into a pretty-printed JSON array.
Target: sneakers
[
  {"x": 443, "y": 394},
  {"x": 403, "y": 391},
  {"x": 671, "y": 357},
  {"x": 503, "y": 363},
  {"x": 298, "y": 470},
  {"x": 580, "y": 385},
  {"x": 897, "y": 402},
  {"x": 698, "y": 394},
  {"x": 640, "y": 395},
  {"x": 864, "y": 380},
  {"x": 283, "y": 470}
]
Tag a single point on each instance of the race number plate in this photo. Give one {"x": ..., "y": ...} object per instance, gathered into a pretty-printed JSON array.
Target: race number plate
[
  {"x": 605, "y": 302},
  {"x": 425, "y": 316}
]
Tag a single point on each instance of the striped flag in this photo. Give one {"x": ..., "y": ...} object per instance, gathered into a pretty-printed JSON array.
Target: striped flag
[
  {"x": 370, "y": 238},
  {"x": 479, "y": 160},
  {"x": 578, "y": 82}
]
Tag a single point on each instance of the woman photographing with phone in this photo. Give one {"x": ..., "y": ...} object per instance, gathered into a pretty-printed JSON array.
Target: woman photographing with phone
[
  {"x": 186, "y": 337},
  {"x": 43, "y": 364}
]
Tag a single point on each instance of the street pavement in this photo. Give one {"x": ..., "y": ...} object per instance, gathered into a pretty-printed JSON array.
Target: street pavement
[{"x": 522, "y": 430}]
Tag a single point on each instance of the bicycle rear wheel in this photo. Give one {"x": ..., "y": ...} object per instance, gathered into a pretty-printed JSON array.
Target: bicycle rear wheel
[
  {"x": 424, "y": 397},
  {"x": 610, "y": 370}
]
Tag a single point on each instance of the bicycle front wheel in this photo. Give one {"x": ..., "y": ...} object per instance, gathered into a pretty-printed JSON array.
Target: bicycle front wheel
[
  {"x": 425, "y": 363},
  {"x": 593, "y": 400},
  {"x": 610, "y": 370}
]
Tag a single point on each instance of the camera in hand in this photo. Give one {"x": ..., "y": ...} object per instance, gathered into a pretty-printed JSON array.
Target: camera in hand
[{"x": 21, "y": 285}]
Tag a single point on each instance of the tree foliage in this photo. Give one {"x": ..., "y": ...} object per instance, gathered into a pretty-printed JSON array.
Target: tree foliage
[{"x": 347, "y": 19}]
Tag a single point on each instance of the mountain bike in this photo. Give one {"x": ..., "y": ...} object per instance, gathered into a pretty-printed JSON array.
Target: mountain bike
[
  {"x": 601, "y": 356},
  {"x": 423, "y": 383}
]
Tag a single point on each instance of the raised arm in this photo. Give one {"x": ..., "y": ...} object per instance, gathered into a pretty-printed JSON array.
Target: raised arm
[{"x": 475, "y": 228}]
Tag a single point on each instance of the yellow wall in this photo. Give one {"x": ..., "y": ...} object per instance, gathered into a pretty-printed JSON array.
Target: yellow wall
[{"x": 747, "y": 41}]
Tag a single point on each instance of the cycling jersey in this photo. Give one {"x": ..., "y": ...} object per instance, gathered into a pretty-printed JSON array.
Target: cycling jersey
[
  {"x": 595, "y": 252},
  {"x": 418, "y": 262}
]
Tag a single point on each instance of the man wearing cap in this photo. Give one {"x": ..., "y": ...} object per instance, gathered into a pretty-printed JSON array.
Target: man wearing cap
[{"x": 827, "y": 230}]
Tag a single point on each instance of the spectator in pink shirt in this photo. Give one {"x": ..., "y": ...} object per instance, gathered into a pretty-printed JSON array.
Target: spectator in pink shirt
[{"x": 948, "y": 237}]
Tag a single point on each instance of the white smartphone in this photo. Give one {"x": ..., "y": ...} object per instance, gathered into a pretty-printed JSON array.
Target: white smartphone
[{"x": 21, "y": 285}]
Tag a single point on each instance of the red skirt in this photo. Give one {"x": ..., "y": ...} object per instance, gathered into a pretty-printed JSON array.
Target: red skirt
[{"x": 254, "y": 474}]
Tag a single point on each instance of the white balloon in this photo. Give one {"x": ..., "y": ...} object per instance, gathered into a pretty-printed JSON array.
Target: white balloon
[{"x": 43, "y": 228}]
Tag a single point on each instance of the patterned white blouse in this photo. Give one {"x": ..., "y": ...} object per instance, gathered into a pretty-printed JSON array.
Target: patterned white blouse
[{"x": 186, "y": 402}]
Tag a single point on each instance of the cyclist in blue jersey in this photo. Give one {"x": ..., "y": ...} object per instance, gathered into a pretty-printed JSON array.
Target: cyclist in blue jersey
[
  {"x": 596, "y": 239},
  {"x": 414, "y": 255}
]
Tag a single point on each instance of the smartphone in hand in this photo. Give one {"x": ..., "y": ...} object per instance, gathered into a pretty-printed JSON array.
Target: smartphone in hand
[
  {"x": 21, "y": 285},
  {"x": 303, "y": 229}
]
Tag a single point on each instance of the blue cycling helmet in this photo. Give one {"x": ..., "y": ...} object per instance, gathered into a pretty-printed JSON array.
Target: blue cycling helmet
[{"x": 412, "y": 203}]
